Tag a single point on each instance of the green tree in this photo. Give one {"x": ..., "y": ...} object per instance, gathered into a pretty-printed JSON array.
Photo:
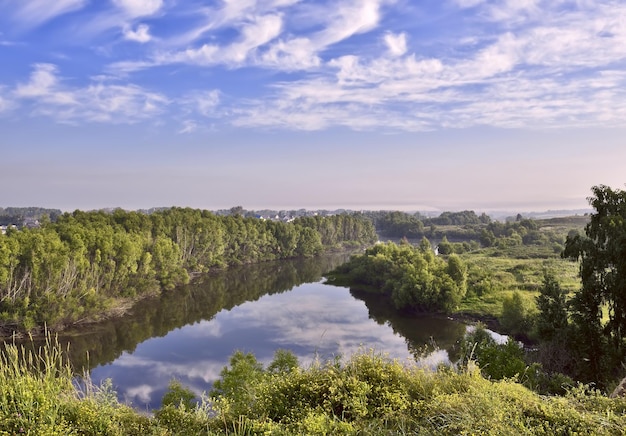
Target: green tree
[
  {"x": 551, "y": 319},
  {"x": 445, "y": 247},
  {"x": 602, "y": 255},
  {"x": 178, "y": 395},
  {"x": 496, "y": 361},
  {"x": 516, "y": 317},
  {"x": 284, "y": 361},
  {"x": 309, "y": 243},
  {"x": 457, "y": 270},
  {"x": 238, "y": 383}
]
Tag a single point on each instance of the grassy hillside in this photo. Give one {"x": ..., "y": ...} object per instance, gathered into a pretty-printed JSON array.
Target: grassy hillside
[{"x": 365, "y": 394}]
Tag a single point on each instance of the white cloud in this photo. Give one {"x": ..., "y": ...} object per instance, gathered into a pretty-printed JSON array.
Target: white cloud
[
  {"x": 535, "y": 63},
  {"x": 396, "y": 43},
  {"x": 203, "y": 102},
  {"x": 259, "y": 32},
  {"x": 513, "y": 10},
  {"x": 43, "y": 85},
  {"x": 35, "y": 12},
  {"x": 139, "y": 8},
  {"x": 141, "y": 34},
  {"x": 339, "y": 21},
  {"x": 294, "y": 54},
  {"x": 189, "y": 126},
  {"x": 253, "y": 34},
  {"x": 99, "y": 101},
  {"x": 232, "y": 14},
  {"x": 142, "y": 392},
  {"x": 561, "y": 74},
  {"x": 358, "y": 16},
  {"x": 259, "y": 25}
]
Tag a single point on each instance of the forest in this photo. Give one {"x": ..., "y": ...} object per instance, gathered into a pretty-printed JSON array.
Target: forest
[
  {"x": 556, "y": 284},
  {"x": 86, "y": 265}
]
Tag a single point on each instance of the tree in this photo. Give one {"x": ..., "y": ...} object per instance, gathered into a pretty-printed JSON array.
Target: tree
[
  {"x": 445, "y": 247},
  {"x": 516, "y": 318},
  {"x": 552, "y": 305},
  {"x": 457, "y": 270},
  {"x": 602, "y": 256}
]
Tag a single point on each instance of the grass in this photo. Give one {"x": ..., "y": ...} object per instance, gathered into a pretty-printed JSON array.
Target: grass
[
  {"x": 512, "y": 272},
  {"x": 366, "y": 394}
]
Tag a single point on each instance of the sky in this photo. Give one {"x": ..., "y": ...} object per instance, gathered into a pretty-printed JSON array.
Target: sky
[{"x": 424, "y": 105}]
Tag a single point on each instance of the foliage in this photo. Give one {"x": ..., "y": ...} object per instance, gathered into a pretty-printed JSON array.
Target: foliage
[
  {"x": 552, "y": 318},
  {"x": 367, "y": 393},
  {"x": 602, "y": 255},
  {"x": 239, "y": 382},
  {"x": 517, "y": 317},
  {"x": 86, "y": 263},
  {"x": 413, "y": 277},
  {"x": 178, "y": 395},
  {"x": 496, "y": 361}
]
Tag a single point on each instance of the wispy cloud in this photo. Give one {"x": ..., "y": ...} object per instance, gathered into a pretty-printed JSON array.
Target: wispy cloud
[
  {"x": 339, "y": 22},
  {"x": 253, "y": 34},
  {"x": 139, "y": 8},
  {"x": 32, "y": 13},
  {"x": 259, "y": 27},
  {"x": 203, "y": 102},
  {"x": 99, "y": 101},
  {"x": 189, "y": 126},
  {"x": 5, "y": 103},
  {"x": 534, "y": 63},
  {"x": 396, "y": 43},
  {"x": 560, "y": 72}
]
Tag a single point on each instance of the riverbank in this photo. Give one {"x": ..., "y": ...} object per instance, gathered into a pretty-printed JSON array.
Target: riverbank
[
  {"x": 365, "y": 394},
  {"x": 120, "y": 308}
]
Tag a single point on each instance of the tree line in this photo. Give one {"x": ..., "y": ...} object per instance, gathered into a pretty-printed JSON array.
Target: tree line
[
  {"x": 84, "y": 262},
  {"x": 468, "y": 230}
]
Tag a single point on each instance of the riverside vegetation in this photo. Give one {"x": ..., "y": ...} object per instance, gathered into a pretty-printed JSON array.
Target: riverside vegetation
[
  {"x": 365, "y": 394},
  {"x": 522, "y": 280},
  {"x": 87, "y": 265},
  {"x": 515, "y": 273}
]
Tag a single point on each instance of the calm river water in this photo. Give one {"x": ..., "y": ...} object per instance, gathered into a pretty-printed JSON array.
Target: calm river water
[{"x": 189, "y": 334}]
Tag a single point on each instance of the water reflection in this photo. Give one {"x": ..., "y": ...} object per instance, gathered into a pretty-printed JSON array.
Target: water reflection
[
  {"x": 313, "y": 321},
  {"x": 200, "y": 300},
  {"x": 425, "y": 333},
  {"x": 189, "y": 334}
]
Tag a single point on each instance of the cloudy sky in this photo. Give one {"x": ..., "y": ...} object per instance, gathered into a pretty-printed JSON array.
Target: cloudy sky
[{"x": 378, "y": 104}]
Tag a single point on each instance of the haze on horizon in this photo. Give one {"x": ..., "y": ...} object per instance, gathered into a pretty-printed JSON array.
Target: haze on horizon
[{"x": 289, "y": 104}]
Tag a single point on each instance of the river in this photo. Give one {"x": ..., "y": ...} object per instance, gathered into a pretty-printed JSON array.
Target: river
[{"x": 190, "y": 333}]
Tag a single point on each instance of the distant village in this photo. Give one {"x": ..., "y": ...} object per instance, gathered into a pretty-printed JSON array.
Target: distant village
[
  {"x": 32, "y": 217},
  {"x": 28, "y": 223},
  {"x": 25, "y": 217}
]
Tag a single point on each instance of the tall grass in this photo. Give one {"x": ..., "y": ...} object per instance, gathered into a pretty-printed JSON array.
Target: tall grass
[
  {"x": 31, "y": 383},
  {"x": 366, "y": 394}
]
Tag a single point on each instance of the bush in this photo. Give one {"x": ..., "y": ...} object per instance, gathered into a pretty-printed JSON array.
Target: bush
[{"x": 517, "y": 317}]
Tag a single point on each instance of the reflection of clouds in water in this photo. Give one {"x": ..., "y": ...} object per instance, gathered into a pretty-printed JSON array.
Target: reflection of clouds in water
[
  {"x": 207, "y": 370},
  {"x": 434, "y": 359},
  {"x": 142, "y": 393},
  {"x": 314, "y": 321},
  {"x": 154, "y": 376},
  {"x": 322, "y": 319},
  {"x": 205, "y": 329},
  {"x": 500, "y": 339}
]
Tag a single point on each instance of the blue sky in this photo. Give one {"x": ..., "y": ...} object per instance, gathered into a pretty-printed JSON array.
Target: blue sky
[{"x": 379, "y": 104}]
